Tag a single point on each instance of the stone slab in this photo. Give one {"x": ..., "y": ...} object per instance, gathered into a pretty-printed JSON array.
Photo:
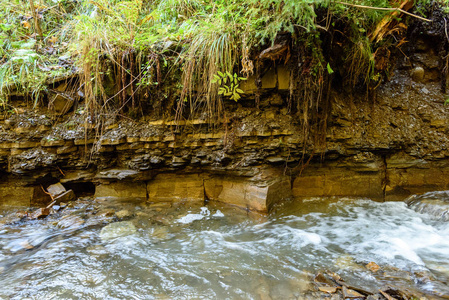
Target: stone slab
[
  {"x": 243, "y": 192},
  {"x": 56, "y": 189}
]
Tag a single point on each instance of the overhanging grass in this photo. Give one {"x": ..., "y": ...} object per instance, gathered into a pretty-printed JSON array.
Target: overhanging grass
[{"x": 142, "y": 44}]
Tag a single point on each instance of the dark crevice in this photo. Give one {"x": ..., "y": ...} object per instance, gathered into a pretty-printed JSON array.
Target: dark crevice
[
  {"x": 81, "y": 189},
  {"x": 385, "y": 180}
]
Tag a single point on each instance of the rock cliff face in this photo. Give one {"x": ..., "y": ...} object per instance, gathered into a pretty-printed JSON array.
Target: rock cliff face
[{"x": 384, "y": 148}]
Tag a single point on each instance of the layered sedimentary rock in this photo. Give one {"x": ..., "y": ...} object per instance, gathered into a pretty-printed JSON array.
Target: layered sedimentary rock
[{"x": 384, "y": 148}]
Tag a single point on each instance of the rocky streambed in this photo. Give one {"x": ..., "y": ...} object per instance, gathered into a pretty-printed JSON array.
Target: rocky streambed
[{"x": 317, "y": 248}]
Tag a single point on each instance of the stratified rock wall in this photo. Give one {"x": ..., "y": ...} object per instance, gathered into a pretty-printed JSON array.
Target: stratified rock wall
[{"x": 384, "y": 148}]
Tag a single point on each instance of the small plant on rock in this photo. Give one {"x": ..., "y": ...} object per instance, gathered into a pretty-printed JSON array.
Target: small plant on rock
[{"x": 228, "y": 85}]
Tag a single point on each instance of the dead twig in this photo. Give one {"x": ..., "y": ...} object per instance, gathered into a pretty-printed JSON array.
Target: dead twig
[
  {"x": 47, "y": 193},
  {"x": 60, "y": 171},
  {"x": 51, "y": 204}
]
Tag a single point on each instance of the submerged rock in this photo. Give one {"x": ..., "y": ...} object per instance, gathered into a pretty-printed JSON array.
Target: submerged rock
[
  {"x": 40, "y": 213},
  {"x": 118, "y": 229},
  {"x": 351, "y": 294},
  {"x": 123, "y": 214},
  {"x": 373, "y": 267},
  {"x": 158, "y": 233},
  {"x": 12, "y": 218},
  {"x": 70, "y": 221}
]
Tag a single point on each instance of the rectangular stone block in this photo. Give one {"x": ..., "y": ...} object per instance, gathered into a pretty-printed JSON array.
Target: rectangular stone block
[
  {"x": 175, "y": 187},
  {"x": 259, "y": 195}
]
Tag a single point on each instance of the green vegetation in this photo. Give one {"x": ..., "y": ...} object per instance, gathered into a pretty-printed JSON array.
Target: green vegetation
[{"x": 137, "y": 55}]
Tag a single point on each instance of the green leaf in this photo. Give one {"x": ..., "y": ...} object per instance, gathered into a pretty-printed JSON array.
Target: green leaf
[
  {"x": 243, "y": 78},
  {"x": 221, "y": 74},
  {"x": 239, "y": 91},
  {"x": 225, "y": 80},
  {"x": 329, "y": 69},
  {"x": 230, "y": 75}
]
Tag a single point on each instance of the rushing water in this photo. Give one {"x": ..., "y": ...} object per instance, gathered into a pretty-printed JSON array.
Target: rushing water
[{"x": 221, "y": 252}]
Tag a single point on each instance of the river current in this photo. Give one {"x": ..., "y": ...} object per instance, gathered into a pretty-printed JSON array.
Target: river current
[{"x": 180, "y": 251}]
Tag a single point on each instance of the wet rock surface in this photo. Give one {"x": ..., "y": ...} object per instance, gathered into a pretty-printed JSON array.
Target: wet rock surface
[{"x": 117, "y": 229}]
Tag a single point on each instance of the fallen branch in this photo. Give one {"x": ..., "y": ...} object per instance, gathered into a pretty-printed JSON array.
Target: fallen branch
[
  {"x": 384, "y": 8},
  {"x": 50, "y": 205},
  {"x": 47, "y": 193}
]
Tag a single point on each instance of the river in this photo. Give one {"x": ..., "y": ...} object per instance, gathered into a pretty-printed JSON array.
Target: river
[{"x": 213, "y": 251}]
